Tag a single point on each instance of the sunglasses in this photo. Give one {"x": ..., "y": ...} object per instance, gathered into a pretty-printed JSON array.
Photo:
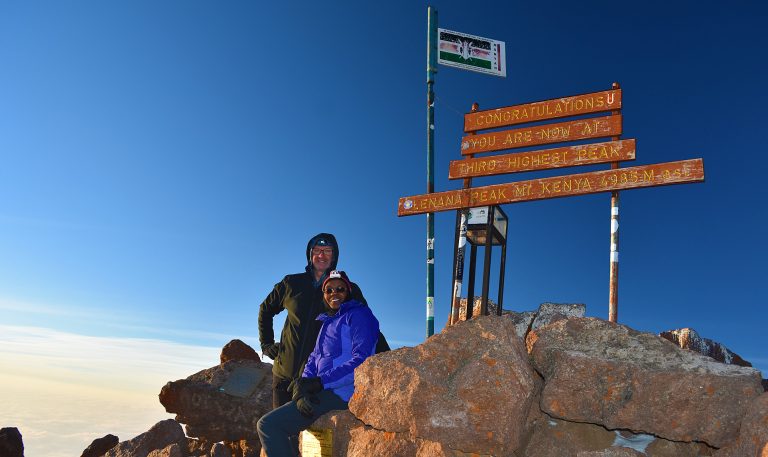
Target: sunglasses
[{"x": 338, "y": 289}]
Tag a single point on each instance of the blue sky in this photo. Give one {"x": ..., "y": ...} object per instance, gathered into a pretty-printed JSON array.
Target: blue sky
[{"x": 164, "y": 164}]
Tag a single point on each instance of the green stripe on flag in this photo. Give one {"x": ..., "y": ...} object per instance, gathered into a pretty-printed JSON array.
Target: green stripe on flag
[{"x": 472, "y": 61}]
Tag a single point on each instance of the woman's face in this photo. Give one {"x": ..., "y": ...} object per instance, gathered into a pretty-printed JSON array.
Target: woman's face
[{"x": 335, "y": 293}]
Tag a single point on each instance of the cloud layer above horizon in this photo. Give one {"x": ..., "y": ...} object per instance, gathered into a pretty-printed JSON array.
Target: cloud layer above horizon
[{"x": 63, "y": 390}]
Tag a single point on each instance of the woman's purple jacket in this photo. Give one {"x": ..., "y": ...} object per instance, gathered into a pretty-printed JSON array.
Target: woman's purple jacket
[{"x": 346, "y": 339}]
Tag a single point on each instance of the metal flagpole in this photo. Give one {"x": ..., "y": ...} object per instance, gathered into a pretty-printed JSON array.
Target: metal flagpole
[{"x": 431, "y": 70}]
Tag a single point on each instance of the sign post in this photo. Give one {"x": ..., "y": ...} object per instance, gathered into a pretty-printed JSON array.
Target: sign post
[
  {"x": 431, "y": 70},
  {"x": 613, "y": 277}
]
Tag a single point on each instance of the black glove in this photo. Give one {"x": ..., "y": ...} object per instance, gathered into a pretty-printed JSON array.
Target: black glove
[
  {"x": 303, "y": 387},
  {"x": 304, "y": 405},
  {"x": 270, "y": 350}
]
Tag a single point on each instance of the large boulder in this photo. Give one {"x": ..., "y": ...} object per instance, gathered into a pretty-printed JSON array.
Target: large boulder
[
  {"x": 688, "y": 338},
  {"x": 469, "y": 387},
  {"x": 608, "y": 374},
  {"x": 753, "y": 435},
  {"x": 237, "y": 350},
  {"x": 222, "y": 403},
  {"x": 11, "y": 443},
  {"x": 159, "y": 441},
  {"x": 100, "y": 446},
  {"x": 552, "y": 312}
]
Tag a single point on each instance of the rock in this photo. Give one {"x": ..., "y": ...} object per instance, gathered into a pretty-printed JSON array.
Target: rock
[
  {"x": 340, "y": 424},
  {"x": 753, "y": 436},
  {"x": 11, "y": 444},
  {"x": 243, "y": 448},
  {"x": 172, "y": 450},
  {"x": 237, "y": 350},
  {"x": 367, "y": 442},
  {"x": 158, "y": 438},
  {"x": 469, "y": 387},
  {"x": 213, "y": 415},
  {"x": 765, "y": 385},
  {"x": 549, "y": 313},
  {"x": 521, "y": 321},
  {"x": 608, "y": 374},
  {"x": 100, "y": 446},
  {"x": 612, "y": 452},
  {"x": 220, "y": 450},
  {"x": 492, "y": 308},
  {"x": 198, "y": 448},
  {"x": 687, "y": 338},
  {"x": 555, "y": 438}
]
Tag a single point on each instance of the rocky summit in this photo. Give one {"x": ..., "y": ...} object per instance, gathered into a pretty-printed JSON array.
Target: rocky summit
[{"x": 544, "y": 383}]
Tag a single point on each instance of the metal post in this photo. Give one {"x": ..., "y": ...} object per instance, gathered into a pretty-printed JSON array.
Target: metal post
[
  {"x": 613, "y": 293},
  {"x": 461, "y": 240},
  {"x": 501, "y": 273},
  {"x": 487, "y": 262},
  {"x": 458, "y": 273},
  {"x": 471, "y": 285},
  {"x": 431, "y": 70}
]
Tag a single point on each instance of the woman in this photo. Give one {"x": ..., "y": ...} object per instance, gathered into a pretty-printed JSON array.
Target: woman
[{"x": 347, "y": 337}]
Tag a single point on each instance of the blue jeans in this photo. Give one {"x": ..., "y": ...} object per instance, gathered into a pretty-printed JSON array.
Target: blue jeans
[{"x": 278, "y": 425}]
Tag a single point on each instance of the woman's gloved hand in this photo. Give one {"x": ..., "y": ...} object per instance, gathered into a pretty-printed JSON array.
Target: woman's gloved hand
[{"x": 303, "y": 387}]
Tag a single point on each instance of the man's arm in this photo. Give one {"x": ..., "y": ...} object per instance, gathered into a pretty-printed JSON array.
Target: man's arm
[{"x": 271, "y": 306}]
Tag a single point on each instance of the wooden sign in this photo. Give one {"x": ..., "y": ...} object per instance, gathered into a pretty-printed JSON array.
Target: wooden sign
[
  {"x": 596, "y": 102},
  {"x": 595, "y": 127},
  {"x": 684, "y": 171},
  {"x": 587, "y": 154}
]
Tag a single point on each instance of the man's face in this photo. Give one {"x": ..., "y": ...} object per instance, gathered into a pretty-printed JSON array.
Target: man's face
[
  {"x": 322, "y": 257},
  {"x": 335, "y": 293}
]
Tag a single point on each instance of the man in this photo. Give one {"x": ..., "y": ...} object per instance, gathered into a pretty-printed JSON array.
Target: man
[{"x": 301, "y": 295}]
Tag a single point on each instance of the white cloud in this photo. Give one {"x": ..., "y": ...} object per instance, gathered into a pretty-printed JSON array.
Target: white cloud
[{"x": 63, "y": 390}]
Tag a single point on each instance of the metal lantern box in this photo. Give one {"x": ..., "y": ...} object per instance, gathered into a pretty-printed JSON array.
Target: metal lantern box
[{"x": 481, "y": 222}]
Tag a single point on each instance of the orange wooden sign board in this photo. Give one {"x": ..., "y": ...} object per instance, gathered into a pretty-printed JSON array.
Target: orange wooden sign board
[
  {"x": 570, "y": 156},
  {"x": 595, "y": 127},
  {"x": 684, "y": 171},
  {"x": 596, "y": 102}
]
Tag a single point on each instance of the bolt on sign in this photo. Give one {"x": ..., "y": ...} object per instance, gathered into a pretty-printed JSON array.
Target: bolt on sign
[
  {"x": 660, "y": 174},
  {"x": 470, "y": 52}
]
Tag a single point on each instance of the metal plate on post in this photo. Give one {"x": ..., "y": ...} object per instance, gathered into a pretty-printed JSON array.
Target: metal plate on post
[
  {"x": 660, "y": 174},
  {"x": 570, "y": 156},
  {"x": 595, "y": 102},
  {"x": 595, "y": 127}
]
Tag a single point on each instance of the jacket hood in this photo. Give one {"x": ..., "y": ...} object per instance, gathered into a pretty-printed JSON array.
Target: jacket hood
[{"x": 331, "y": 240}]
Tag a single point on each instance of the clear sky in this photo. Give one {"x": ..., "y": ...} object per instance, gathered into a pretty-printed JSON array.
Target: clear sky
[{"x": 165, "y": 163}]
